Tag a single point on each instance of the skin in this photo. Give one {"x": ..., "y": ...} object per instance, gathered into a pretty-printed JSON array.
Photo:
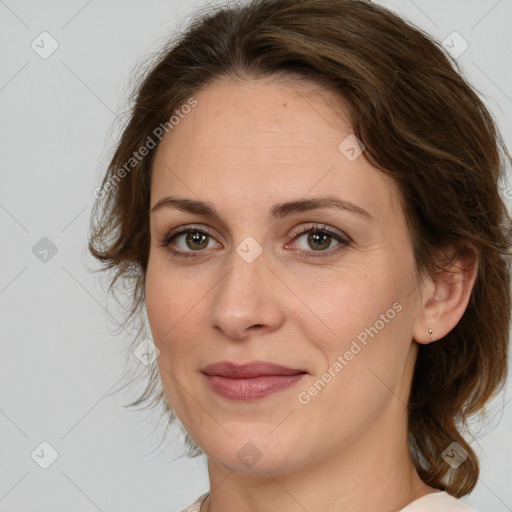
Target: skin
[{"x": 245, "y": 146}]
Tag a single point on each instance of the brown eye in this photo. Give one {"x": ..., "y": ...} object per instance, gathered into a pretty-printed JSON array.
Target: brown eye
[
  {"x": 195, "y": 240},
  {"x": 319, "y": 239},
  {"x": 190, "y": 242}
]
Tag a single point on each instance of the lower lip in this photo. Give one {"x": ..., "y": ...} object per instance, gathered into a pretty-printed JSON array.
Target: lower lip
[{"x": 251, "y": 389}]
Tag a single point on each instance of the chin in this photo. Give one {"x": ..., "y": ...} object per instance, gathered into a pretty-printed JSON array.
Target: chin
[{"x": 256, "y": 455}]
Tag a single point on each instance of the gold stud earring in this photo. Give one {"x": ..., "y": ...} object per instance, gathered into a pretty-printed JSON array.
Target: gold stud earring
[{"x": 430, "y": 334}]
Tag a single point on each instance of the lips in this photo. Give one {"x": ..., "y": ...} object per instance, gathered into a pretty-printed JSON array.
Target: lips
[
  {"x": 250, "y": 370},
  {"x": 252, "y": 381}
]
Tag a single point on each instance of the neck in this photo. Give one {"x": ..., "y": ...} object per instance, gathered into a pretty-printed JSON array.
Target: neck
[{"x": 371, "y": 472}]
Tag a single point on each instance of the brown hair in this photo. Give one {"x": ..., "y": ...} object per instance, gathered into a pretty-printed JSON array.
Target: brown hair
[{"x": 421, "y": 123}]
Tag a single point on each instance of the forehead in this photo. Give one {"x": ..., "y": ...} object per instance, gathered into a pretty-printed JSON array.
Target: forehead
[
  {"x": 248, "y": 115},
  {"x": 272, "y": 140}
]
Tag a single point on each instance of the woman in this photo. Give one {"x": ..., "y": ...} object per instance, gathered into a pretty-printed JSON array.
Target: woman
[{"x": 306, "y": 200}]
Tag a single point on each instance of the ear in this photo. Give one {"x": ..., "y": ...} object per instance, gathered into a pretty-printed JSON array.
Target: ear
[{"x": 445, "y": 298}]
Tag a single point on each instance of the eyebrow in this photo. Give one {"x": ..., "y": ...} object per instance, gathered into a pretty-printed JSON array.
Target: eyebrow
[{"x": 278, "y": 210}]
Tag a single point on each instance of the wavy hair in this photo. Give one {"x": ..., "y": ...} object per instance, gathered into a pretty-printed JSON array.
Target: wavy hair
[{"x": 421, "y": 123}]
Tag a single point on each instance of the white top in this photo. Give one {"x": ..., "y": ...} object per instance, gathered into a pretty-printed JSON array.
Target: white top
[
  {"x": 197, "y": 504},
  {"x": 439, "y": 501}
]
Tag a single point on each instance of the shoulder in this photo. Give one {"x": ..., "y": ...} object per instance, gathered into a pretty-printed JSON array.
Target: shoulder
[
  {"x": 437, "y": 502},
  {"x": 197, "y": 504}
]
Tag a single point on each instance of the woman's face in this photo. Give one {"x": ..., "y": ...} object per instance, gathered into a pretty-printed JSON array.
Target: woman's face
[{"x": 339, "y": 303}]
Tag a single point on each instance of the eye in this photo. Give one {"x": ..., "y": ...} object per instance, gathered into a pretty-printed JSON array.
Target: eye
[
  {"x": 320, "y": 238},
  {"x": 194, "y": 238}
]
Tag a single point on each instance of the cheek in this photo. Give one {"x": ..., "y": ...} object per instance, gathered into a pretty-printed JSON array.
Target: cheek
[
  {"x": 175, "y": 311},
  {"x": 362, "y": 336},
  {"x": 349, "y": 305},
  {"x": 169, "y": 314},
  {"x": 155, "y": 301},
  {"x": 362, "y": 363},
  {"x": 162, "y": 305}
]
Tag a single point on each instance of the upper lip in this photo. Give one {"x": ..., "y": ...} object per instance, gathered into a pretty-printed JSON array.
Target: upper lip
[{"x": 248, "y": 370}]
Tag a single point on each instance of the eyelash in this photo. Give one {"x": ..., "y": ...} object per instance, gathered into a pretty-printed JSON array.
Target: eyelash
[{"x": 316, "y": 228}]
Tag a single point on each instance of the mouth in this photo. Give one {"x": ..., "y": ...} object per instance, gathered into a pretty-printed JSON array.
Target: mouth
[
  {"x": 250, "y": 381},
  {"x": 249, "y": 370}
]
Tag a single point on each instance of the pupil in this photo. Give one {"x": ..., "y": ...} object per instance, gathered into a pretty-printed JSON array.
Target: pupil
[
  {"x": 196, "y": 237},
  {"x": 317, "y": 237}
]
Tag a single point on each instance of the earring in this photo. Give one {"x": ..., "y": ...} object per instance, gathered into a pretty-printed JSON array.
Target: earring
[{"x": 430, "y": 334}]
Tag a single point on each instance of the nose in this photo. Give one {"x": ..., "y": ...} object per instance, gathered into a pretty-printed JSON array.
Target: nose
[{"x": 247, "y": 298}]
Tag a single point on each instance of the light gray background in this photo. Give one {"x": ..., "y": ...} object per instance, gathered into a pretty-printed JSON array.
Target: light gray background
[{"x": 59, "y": 358}]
